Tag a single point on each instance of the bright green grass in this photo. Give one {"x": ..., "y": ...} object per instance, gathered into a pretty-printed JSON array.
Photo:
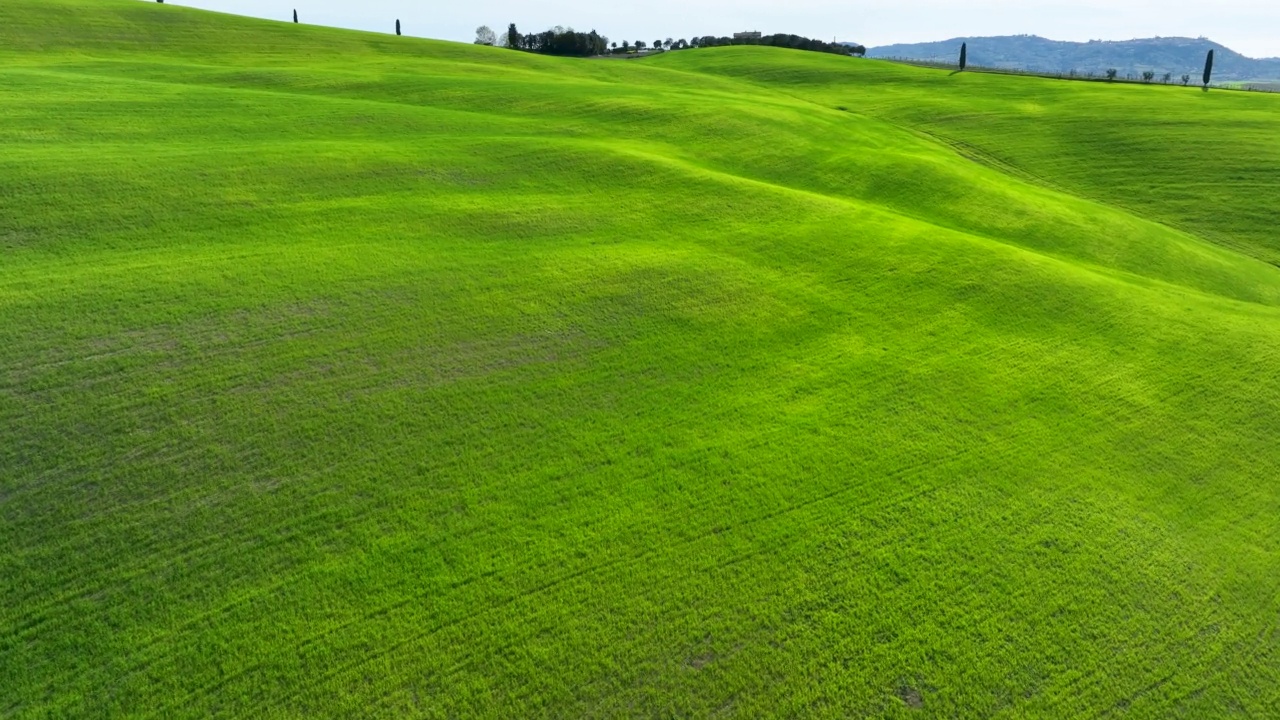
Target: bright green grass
[
  {"x": 1203, "y": 162},
  {"x": 350, "y": 375}
]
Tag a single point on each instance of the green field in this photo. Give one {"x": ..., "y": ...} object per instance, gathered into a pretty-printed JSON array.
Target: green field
[{"x": 351, "y": 375}]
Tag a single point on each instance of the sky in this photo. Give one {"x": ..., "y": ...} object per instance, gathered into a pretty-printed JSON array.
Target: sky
[{"x": 1248, "y": 26}]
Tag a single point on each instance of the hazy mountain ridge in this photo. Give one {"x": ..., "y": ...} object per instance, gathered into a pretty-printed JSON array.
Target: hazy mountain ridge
[{"x": 1030, "y": 52}]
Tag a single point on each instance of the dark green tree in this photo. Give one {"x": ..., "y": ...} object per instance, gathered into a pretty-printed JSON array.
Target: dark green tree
[
  {"x": 295, "y": 17},
  {"x": 1208, "y": 68},
  {"x": 513, "y": 37},
  {"x": 397, "y": 26},
  {"x": 964, "y": 55}
]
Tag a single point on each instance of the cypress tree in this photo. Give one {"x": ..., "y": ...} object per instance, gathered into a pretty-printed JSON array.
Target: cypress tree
[
  {"x": 964, "y": 55},
  {"x": 1208, "y": 69},
  {"x": 397, "y": 26},
  {"x": 295, "y": 16}
]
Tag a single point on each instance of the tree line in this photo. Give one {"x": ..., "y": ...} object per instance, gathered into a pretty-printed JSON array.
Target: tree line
[
  {"x": 794, "y": 42},
  {"x": 567, "y": 42}
]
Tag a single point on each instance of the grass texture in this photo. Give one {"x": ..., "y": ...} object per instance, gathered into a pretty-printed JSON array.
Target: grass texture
[{"x": 353, "y": 375}]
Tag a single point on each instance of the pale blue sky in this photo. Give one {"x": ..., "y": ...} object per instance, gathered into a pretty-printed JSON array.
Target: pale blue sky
[{"x": 1249, "y": 26}]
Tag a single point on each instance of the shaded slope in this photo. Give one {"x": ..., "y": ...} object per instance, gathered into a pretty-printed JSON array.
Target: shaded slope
[{"x": 432, "y": 381}]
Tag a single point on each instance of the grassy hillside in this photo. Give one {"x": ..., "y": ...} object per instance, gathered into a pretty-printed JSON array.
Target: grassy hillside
[
  {"x": 1201, "y": 162},
  {"x": 347, "y": 374}
]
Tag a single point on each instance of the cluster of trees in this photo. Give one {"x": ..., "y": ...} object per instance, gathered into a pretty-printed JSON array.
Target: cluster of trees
[
  {"x": 795, "y": 42},
  {"x": 564, "y": 41},
  {"x": 556, "y": 41}
]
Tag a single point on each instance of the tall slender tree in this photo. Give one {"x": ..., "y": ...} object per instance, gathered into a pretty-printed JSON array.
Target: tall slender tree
[
  {"x": 964, "y": 55},
  {"x": 295, "y": 16},
  {"x": 397, "y": 26},
  {"x": 1208, "y": 69}
]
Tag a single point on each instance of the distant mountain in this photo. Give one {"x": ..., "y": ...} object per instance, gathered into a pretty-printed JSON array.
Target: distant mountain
[{"x": 1130, "y": 57}]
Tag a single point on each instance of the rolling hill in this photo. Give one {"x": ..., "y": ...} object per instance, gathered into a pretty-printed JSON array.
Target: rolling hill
[
  {"x": 1174, "y": 55},
  {"x": 345, "y": 374}
]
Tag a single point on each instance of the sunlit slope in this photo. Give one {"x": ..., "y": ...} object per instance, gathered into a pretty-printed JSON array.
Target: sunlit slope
[
  {"x": 716, "y": 125},
  {"x": 1202, "y": 162},
  {"x": 350, "y": 375}
]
